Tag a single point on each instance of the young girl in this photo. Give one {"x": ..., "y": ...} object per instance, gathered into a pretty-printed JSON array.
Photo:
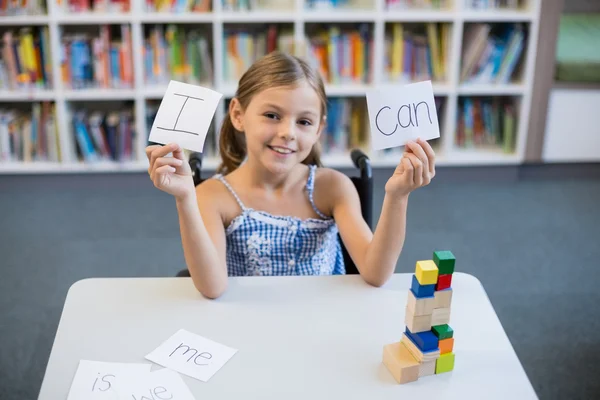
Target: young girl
[{"x": 272, "y": 209}]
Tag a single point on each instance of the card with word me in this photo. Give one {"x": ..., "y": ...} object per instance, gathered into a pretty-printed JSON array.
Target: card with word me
[
  {"x": 184, "y": 115},
  {"x": 398, "y": 114}
]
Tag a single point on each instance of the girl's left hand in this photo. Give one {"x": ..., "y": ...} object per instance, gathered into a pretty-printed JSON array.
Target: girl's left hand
[{"x": 416, "y": 169}]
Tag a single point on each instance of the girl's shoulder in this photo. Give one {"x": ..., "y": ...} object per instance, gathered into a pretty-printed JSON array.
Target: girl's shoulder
[
  {"x": 213, "y": 195},
  {"x": 330, "y": 187}
]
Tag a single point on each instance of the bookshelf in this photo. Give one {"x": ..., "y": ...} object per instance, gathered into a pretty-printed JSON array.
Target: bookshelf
[{"x": 300, "y": 20}]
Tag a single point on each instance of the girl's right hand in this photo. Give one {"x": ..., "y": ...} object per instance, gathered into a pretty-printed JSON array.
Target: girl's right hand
[{"x": 172, "y": 175}]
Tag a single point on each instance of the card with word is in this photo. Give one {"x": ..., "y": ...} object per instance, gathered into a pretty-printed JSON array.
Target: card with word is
[
  {"x": 184, "y": 115},
  {"x": 97, "y": 380},
  {"x": 398, "y": 114},
  {"x": 163, "y": 384},
  {"x": 192, "y": 355}
]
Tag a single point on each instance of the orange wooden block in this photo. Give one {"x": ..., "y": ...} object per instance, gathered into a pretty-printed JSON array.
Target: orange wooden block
[{"x": 446, "y": 345}]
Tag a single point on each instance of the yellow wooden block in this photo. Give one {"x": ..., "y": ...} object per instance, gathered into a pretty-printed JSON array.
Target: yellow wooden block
[
  {"x": 400, "y": 362},
  {"x": 427, "y": 272},
  {"x": 417, "y": 323}
]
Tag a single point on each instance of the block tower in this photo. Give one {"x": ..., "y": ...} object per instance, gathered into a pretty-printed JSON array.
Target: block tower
[{"x": 427, "y": 342}]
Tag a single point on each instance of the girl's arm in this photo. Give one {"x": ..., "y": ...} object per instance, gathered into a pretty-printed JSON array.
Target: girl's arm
[
  {"x": 376, "y": 255},
  {"x": 203, "y": 240}
]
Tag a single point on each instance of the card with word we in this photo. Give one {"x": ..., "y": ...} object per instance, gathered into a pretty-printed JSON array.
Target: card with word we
[
  {"x": 398, "y": 114},
  {"x": 184, "y": 115}
]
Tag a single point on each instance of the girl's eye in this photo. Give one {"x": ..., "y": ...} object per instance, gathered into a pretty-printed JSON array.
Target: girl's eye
[
  {"x": 271, "y": 115},
  {"x": 305, "y": 122}
]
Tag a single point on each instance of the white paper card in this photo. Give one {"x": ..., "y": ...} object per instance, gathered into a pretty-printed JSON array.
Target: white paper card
[
  {"x": 192, "y": 355},
  {"x": 184, "y": 115},
  {"x": 163, "y": 384},
  {"x": 398, "y": 114},
  {"x": 97, "y": 380}
]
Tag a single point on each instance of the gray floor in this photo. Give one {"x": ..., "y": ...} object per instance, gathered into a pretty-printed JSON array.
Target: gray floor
[{"x": 532, "y": 243}]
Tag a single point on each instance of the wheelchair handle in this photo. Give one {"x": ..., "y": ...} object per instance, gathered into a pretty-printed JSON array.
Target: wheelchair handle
[{"x": 362, "y": 162}]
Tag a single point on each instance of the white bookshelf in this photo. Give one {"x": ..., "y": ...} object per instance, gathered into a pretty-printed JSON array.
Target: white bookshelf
[{"x": 378, "y": 16}]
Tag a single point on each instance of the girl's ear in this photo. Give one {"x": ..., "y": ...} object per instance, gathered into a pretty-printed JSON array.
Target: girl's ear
[{"x": 236, "y": 114}]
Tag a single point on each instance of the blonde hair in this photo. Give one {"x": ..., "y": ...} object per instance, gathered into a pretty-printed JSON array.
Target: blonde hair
[{"x": 273, "y": 70}]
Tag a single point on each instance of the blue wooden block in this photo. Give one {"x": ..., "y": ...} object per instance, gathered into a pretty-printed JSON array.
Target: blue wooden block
[
  {"x": 421, "y": 290},
  {"x": 425, "y": 341}
]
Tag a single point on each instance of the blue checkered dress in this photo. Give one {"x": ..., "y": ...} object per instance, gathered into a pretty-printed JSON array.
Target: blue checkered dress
[{"x": 259, "y": 243}]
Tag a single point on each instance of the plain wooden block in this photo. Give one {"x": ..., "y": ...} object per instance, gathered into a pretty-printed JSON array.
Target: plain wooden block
[
  {"x": 400, "y": 362},
  {"x": 426, "y": 272},
  {"x": 420, "y": 305},
  {"x": 427, "y": 368},
  {"x": 444, "y": 282},
  {"x": 420, "y": 356},
  {"x": 445, "y": 261},
  {"x": 446, "y": 345},
  {"x": 443, "y": 298},
  {"x": 440, "y": 316},
  {"x": 445, "y": 363},
  {"x": 417, "y": 323}
]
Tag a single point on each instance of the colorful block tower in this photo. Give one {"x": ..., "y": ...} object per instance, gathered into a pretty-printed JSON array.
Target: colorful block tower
[{"x": 428, "y": 340}]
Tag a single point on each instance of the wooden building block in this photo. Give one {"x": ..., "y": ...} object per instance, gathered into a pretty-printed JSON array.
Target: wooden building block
[
  {"x": 442, "y": 331},
  {"x": 445, "y": 363},
  {"x": 443, "y": 298},
  {"x": 420, "y": 305},
  {"x": 426, "y": 272},
  {"x": 417, "y": 323},
  {"x": 426, "y": 341},
  {"x": 400, "y": 362},
  {"x": 445, "y": 261},
  {"x": 420, "y": 356},
  {"x": 440, "y": 316},
  {"x": 444, "y": 282},
  {"x": 421, "y": 290},
  {"x": 446, "y": 345},
  {"x": 427, "y": 368}
]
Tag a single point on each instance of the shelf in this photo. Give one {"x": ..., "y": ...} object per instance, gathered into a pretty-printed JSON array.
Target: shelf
[
  {"x": 511, "y": 89},
  {"x": 257, "y": 17},
  {"x": 349, "y": 89},
  {"x": 419, "y": 16},
  {"x": 496, "y": 16},
  {"x": 52, "y": 167},
  {"x": 177, "y": 18},
  {"x": 27, "y": 95},
  {"x": 339, "y": 16},
  {"x": 100, "y": 94},
  {"x": 24, "y": 20},
  {"x": 93, "y": 18},
  {"x": 470, "y": 157}
]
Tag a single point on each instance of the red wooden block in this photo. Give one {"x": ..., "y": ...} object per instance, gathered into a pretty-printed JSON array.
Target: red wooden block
[{"x": 444, "y": 282}]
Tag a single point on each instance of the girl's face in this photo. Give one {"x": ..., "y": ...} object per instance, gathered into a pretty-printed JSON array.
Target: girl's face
[{"x": 281, "y": 125}]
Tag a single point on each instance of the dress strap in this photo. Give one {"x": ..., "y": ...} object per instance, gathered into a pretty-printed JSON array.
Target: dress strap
[
  {"x": 310, "y": 188},
  {"x": 228, "y": 186}
]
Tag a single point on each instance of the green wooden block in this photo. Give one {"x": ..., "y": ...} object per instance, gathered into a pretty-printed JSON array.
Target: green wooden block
[
  {"x": 443, "y": 331},
  {"x": 445, "y": 363},
  {"x": 445, "y": 261}
]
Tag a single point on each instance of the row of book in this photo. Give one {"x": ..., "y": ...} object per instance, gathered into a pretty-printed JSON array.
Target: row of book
[
  {"x": 177, "y": 6},
  {"x": 25, "y": 61},
  {"x": 494, "y": 4},
  {"x": 22, "y": 7},
  {"x": 342, "y": 54},
  {"x": 100, "y": 6},
  {"x": 242, "y": 47},
  {"x": 29, "y": 136},
  {"x": 177, "y": 53},
  {"x": 485, "y": 122},
  {"x": 253, "y": 5},
  {"x": 418, "y": 4},
  {"x": 491, "y": 52},
  {"x": 104, "y": 61},
  {"x": 417, "y": 51},
  {"x": 104, "y": 136}
]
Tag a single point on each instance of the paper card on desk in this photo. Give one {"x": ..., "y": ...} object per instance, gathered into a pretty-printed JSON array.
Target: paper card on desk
[
  {"x": 398, "y": 114},
  {"x": 163, "y": 384},
  {"x": 184, "y": 115},
  {"x": 97, "y": 380},
  {"x": 192, "y": 355}
]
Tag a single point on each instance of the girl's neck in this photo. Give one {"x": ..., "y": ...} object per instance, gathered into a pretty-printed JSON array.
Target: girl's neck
[{"x": 257, "y": 176}]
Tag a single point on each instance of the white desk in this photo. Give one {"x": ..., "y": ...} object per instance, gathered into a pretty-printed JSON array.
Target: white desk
[{"x": 298, "y": 337}]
